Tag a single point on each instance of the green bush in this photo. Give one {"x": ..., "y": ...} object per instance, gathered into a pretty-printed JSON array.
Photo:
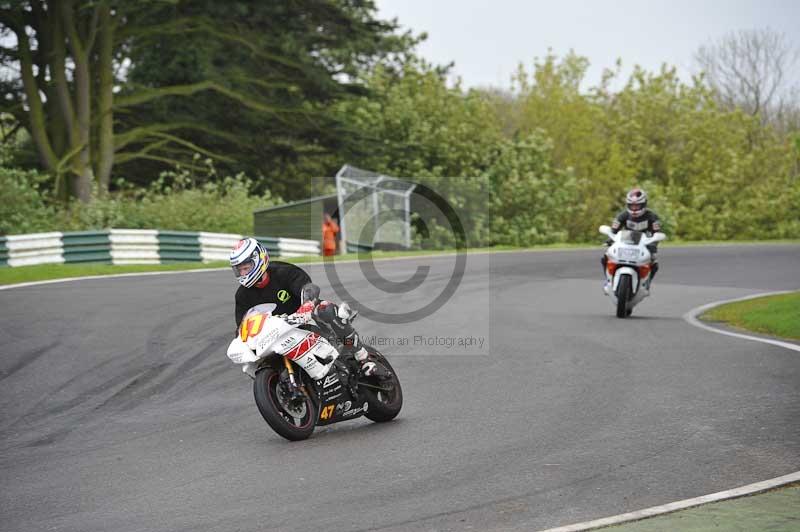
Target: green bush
[
  {"x": 171, "y": 202},
  {"x": 23, "y": 206},
  {"x": 530, "y": 198}
]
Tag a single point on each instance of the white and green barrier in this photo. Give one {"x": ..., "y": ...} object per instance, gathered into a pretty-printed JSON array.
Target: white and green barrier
[{"x": 135, "y": 246}]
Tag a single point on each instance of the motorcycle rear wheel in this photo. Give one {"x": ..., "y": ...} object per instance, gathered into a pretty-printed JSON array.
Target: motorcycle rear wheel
[
  {"x": 384, "y": 405},
  {"x": 293, "y": 424}
]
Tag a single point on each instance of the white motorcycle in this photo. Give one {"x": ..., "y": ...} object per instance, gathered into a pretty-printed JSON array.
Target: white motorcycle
[
  {"x": 629, "y": 268},
  {"x": 300, "y": 380}
]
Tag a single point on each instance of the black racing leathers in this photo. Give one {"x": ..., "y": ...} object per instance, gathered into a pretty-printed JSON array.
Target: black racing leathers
[
  {"x": 647, "y": 223},
  {"x": 286, "y": 282}
]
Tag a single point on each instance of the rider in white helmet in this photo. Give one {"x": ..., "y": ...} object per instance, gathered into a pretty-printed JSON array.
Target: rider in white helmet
[{"x": 290, "y": 288}]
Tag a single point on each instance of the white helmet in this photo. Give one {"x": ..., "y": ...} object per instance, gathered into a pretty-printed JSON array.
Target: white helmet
[
  {"x": 636, "y": 202},
  {"x": 249, "y": 260}
]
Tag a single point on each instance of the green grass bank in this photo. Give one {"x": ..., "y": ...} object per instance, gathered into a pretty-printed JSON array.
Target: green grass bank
[{"x": 777, "y": 315}]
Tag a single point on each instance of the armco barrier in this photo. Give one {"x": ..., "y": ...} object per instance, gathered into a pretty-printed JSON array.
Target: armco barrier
[
  {"x": 38, "y": 248},
  {"x": 135, "y": 246},
  {"x": 179, "y": 246},
  {"x": 86, "y": 246},
  {"x": 217, "y": 246},
  {"x": 3, "y": 252}
]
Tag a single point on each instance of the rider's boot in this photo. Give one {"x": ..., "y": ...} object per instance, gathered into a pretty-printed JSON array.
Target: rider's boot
[
  {"x": 352, "y": 345},
  {"x": 653, "y": 271},
  {"x": 606, "y": 282},
  {"x": 339, "y": 319}
]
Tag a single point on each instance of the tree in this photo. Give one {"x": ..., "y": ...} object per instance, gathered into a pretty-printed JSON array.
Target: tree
[
  {"x": 753, "y": 70},
  {"x": 550, "y": 99},
  {"x": 529, "y": 195},
  {"x": 66, "y": 55},
  {"x": 52, "y": 95},
  {"x": 298, "y": 57},
  {"x": 87, "y": 78}
]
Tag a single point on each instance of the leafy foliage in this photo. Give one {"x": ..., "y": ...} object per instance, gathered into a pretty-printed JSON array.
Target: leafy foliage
[
  {"x": 713, "y": 173},
  {"x": 280, "y": 67},
  {"x": 136, "y": 87},
  {"x": 174, "y": 201},
  {"x": 529, "y": 196},
  {"x": 22, "y": 207}
]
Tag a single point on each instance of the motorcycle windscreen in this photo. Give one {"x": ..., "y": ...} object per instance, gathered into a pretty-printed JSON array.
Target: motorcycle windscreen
[
  {"x": 630, "y": 237},
  {"x": 263, "y": 308}
]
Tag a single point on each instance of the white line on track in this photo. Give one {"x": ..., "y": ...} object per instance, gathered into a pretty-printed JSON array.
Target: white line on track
[
  {"x": 750, "y": 489},
  {"x": 691, "y": 318}
]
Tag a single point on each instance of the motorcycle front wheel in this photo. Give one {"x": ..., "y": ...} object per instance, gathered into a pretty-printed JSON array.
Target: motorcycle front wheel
[
  {"x": 291, "y": 418},
  {"x": 623, "y": 295}
]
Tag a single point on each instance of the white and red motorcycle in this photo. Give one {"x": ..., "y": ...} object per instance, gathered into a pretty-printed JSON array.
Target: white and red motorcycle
[
  {"x": 300, "y": 380},
  {"x": 628, "y": 268}
]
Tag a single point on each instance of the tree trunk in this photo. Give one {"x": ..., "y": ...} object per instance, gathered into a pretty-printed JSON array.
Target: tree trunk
[
  {"x": 105, "y": 100},
  {"x": 80, "y": 152},
  {"x": 38, "y": 122},
  {"x": 82, "y": 163}
]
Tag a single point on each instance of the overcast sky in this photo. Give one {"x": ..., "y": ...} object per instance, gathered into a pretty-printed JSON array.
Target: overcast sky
[{"x": 488, "y": 39}]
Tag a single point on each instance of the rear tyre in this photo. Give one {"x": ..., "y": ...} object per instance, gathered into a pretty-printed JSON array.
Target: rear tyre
[
  {"x": 384, "y": 403},
  {"x": 294, "y": 420},
  {"x": 623, "y": 295}
]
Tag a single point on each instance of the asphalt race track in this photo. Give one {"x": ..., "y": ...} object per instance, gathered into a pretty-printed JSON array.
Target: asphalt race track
[{"x": 120, "y": 412}]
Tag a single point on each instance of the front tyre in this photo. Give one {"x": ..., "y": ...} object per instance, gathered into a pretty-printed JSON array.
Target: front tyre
[
  {"x": 623, "y": 295},
  {"x": 384, "y": 395},
  {"x": 292, "y": 418}
]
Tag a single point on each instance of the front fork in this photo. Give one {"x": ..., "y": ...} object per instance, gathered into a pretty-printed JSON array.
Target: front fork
[{"x": 298, "y": 391}]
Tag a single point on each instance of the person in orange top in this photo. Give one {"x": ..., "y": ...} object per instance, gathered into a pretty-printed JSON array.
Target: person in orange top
[{"x": 329, "y": 231}]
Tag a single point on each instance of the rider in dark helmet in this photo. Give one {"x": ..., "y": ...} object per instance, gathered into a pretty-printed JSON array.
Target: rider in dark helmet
[
  {"x": 290, "y": 288},
  {"x": 636, "y": 217}
]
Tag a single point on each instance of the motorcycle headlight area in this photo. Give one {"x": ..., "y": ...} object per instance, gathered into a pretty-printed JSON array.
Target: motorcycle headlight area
[{"x": 240, "y": 353}]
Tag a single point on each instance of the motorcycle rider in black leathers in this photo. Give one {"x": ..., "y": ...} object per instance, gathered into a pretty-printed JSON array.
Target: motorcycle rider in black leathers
[
  {"x": 636, "y": 217},
  {"x": 290, "y": 288}
]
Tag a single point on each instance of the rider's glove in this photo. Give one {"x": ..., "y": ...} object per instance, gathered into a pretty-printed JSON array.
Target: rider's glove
[
  {"x": 302, "y": 315},
  {"x": 346, "y": 314}
]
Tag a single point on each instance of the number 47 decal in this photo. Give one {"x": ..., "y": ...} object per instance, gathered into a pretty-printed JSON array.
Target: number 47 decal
[{"x": 327, "y": 412}]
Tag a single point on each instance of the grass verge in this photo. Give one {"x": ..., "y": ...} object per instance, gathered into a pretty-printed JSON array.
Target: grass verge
[
  {"x": 46, "y": 272},
  {"x": 773, "y": 315}
]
